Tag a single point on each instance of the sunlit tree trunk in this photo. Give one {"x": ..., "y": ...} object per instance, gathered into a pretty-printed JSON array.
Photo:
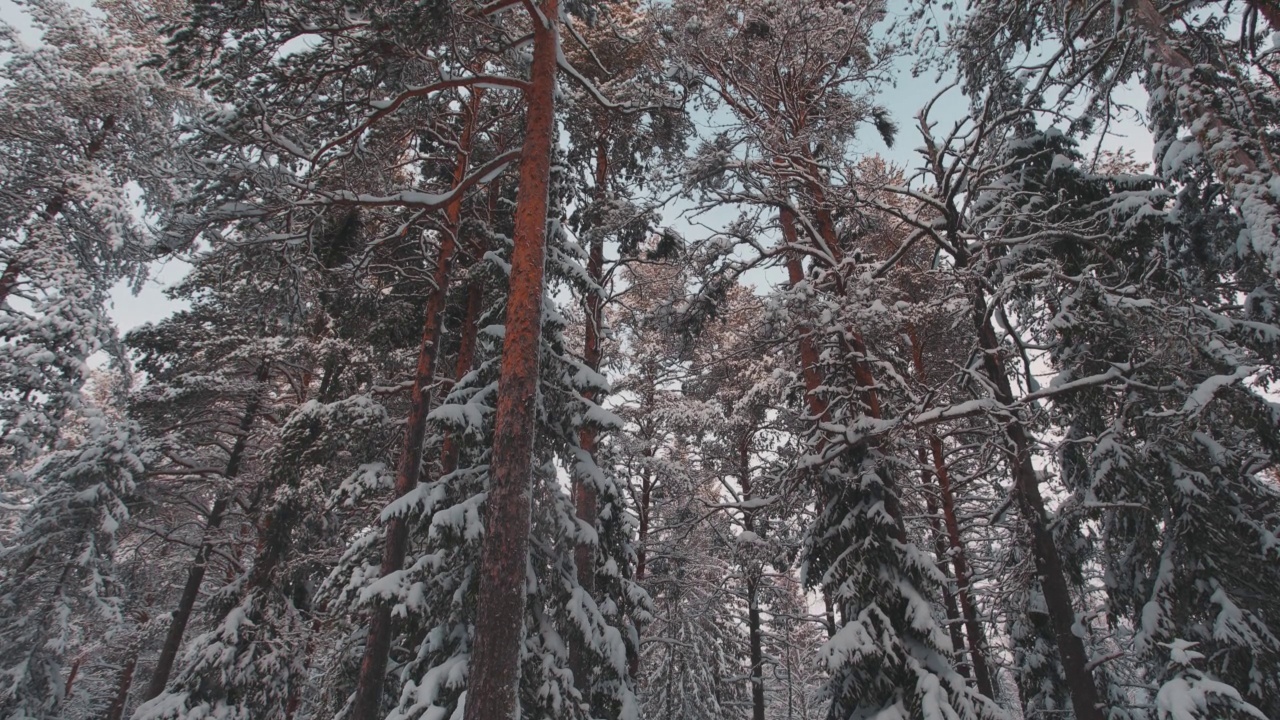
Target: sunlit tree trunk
[{"x": 494, "y": 676}]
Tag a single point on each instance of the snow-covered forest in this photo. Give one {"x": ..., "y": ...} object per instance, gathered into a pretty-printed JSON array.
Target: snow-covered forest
[{"x": 584, "y": 360}]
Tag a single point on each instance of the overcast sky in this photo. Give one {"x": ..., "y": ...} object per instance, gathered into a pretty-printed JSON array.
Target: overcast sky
[{"x": 903, "y": 102}]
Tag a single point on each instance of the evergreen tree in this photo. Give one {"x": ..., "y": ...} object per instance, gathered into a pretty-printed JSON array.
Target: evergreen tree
[{"x": 86, "y": 150}]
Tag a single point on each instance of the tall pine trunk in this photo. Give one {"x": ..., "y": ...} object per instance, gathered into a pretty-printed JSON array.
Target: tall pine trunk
[
  {"x": 494, "y": 676},
  {"x": 809, "y": 370},
  {"x": 959, "y": 559},
  {"x": 584, "y": 493},
  {"x": 373, "y": 666},
  {"x": 940, "y": 547}
]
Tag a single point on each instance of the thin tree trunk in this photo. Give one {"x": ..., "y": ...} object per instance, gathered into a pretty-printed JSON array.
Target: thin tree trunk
[
  {"x": 959, "y": 559},
  {"x": 754, "y": 634},
  {"x": 1053, "y": 579},
  {"x": 584, "y": 492},
  {"x": 466, "y": 356},
  {"x": 115, "y": 711},
  {"x": 71, "y": 676},
  {"x": 195, "y": 574},
  {"x": 449, "y": 448},
  {"x": 373, "y": 665},
  {"x": 187, "y": 602},
  {"x": 494, "y": 678},
  {"x": 642, "y": 552},
  {"x": 954, "y": 619},
  {"x": 757, "y": 648}
]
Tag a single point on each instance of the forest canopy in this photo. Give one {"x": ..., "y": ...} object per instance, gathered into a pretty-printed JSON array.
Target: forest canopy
[{"x": 583, "y": 359}]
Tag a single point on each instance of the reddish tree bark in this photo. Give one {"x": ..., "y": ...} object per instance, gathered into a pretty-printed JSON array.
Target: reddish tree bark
[
  {"x": 71, "y": 676},
  {"x": 810, "y": 374},
  {"x": 115, "y": 711},
  {"x": 373, "y": 666},
  {"x": 959, "y": 559},
  {"x": 195, "y": 574},
  {"x": 853, "y": 342},
  {"x": 467, "y": 343},
  {"x": 808, "y": 352},
  {"x": 1026, "y": 487},
  {"x": 466, "y": 357},
  {"x": 584, "y": 493},
  {"x": 494, "y": 675},
  {"x": 940, "y": 545}
]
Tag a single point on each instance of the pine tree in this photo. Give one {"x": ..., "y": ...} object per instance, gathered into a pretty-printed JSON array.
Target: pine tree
[
  {"x": 86, "y": 150},
  {"x": 60, "y": 589}
]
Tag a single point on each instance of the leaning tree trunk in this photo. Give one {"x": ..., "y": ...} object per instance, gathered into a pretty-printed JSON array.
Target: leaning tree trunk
[
  {"x": 373, "y": 666},
  {"x": 1048, "y": 561},
  {"x": 195, "y": 574},
  {"x": 494, "y": 676}
]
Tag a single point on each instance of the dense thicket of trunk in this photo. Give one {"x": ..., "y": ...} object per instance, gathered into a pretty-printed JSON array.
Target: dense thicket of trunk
[{"x": 956, "y": 549}]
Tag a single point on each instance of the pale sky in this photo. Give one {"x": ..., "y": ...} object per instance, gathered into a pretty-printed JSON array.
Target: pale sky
[{"x": 903, "y": 102}]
